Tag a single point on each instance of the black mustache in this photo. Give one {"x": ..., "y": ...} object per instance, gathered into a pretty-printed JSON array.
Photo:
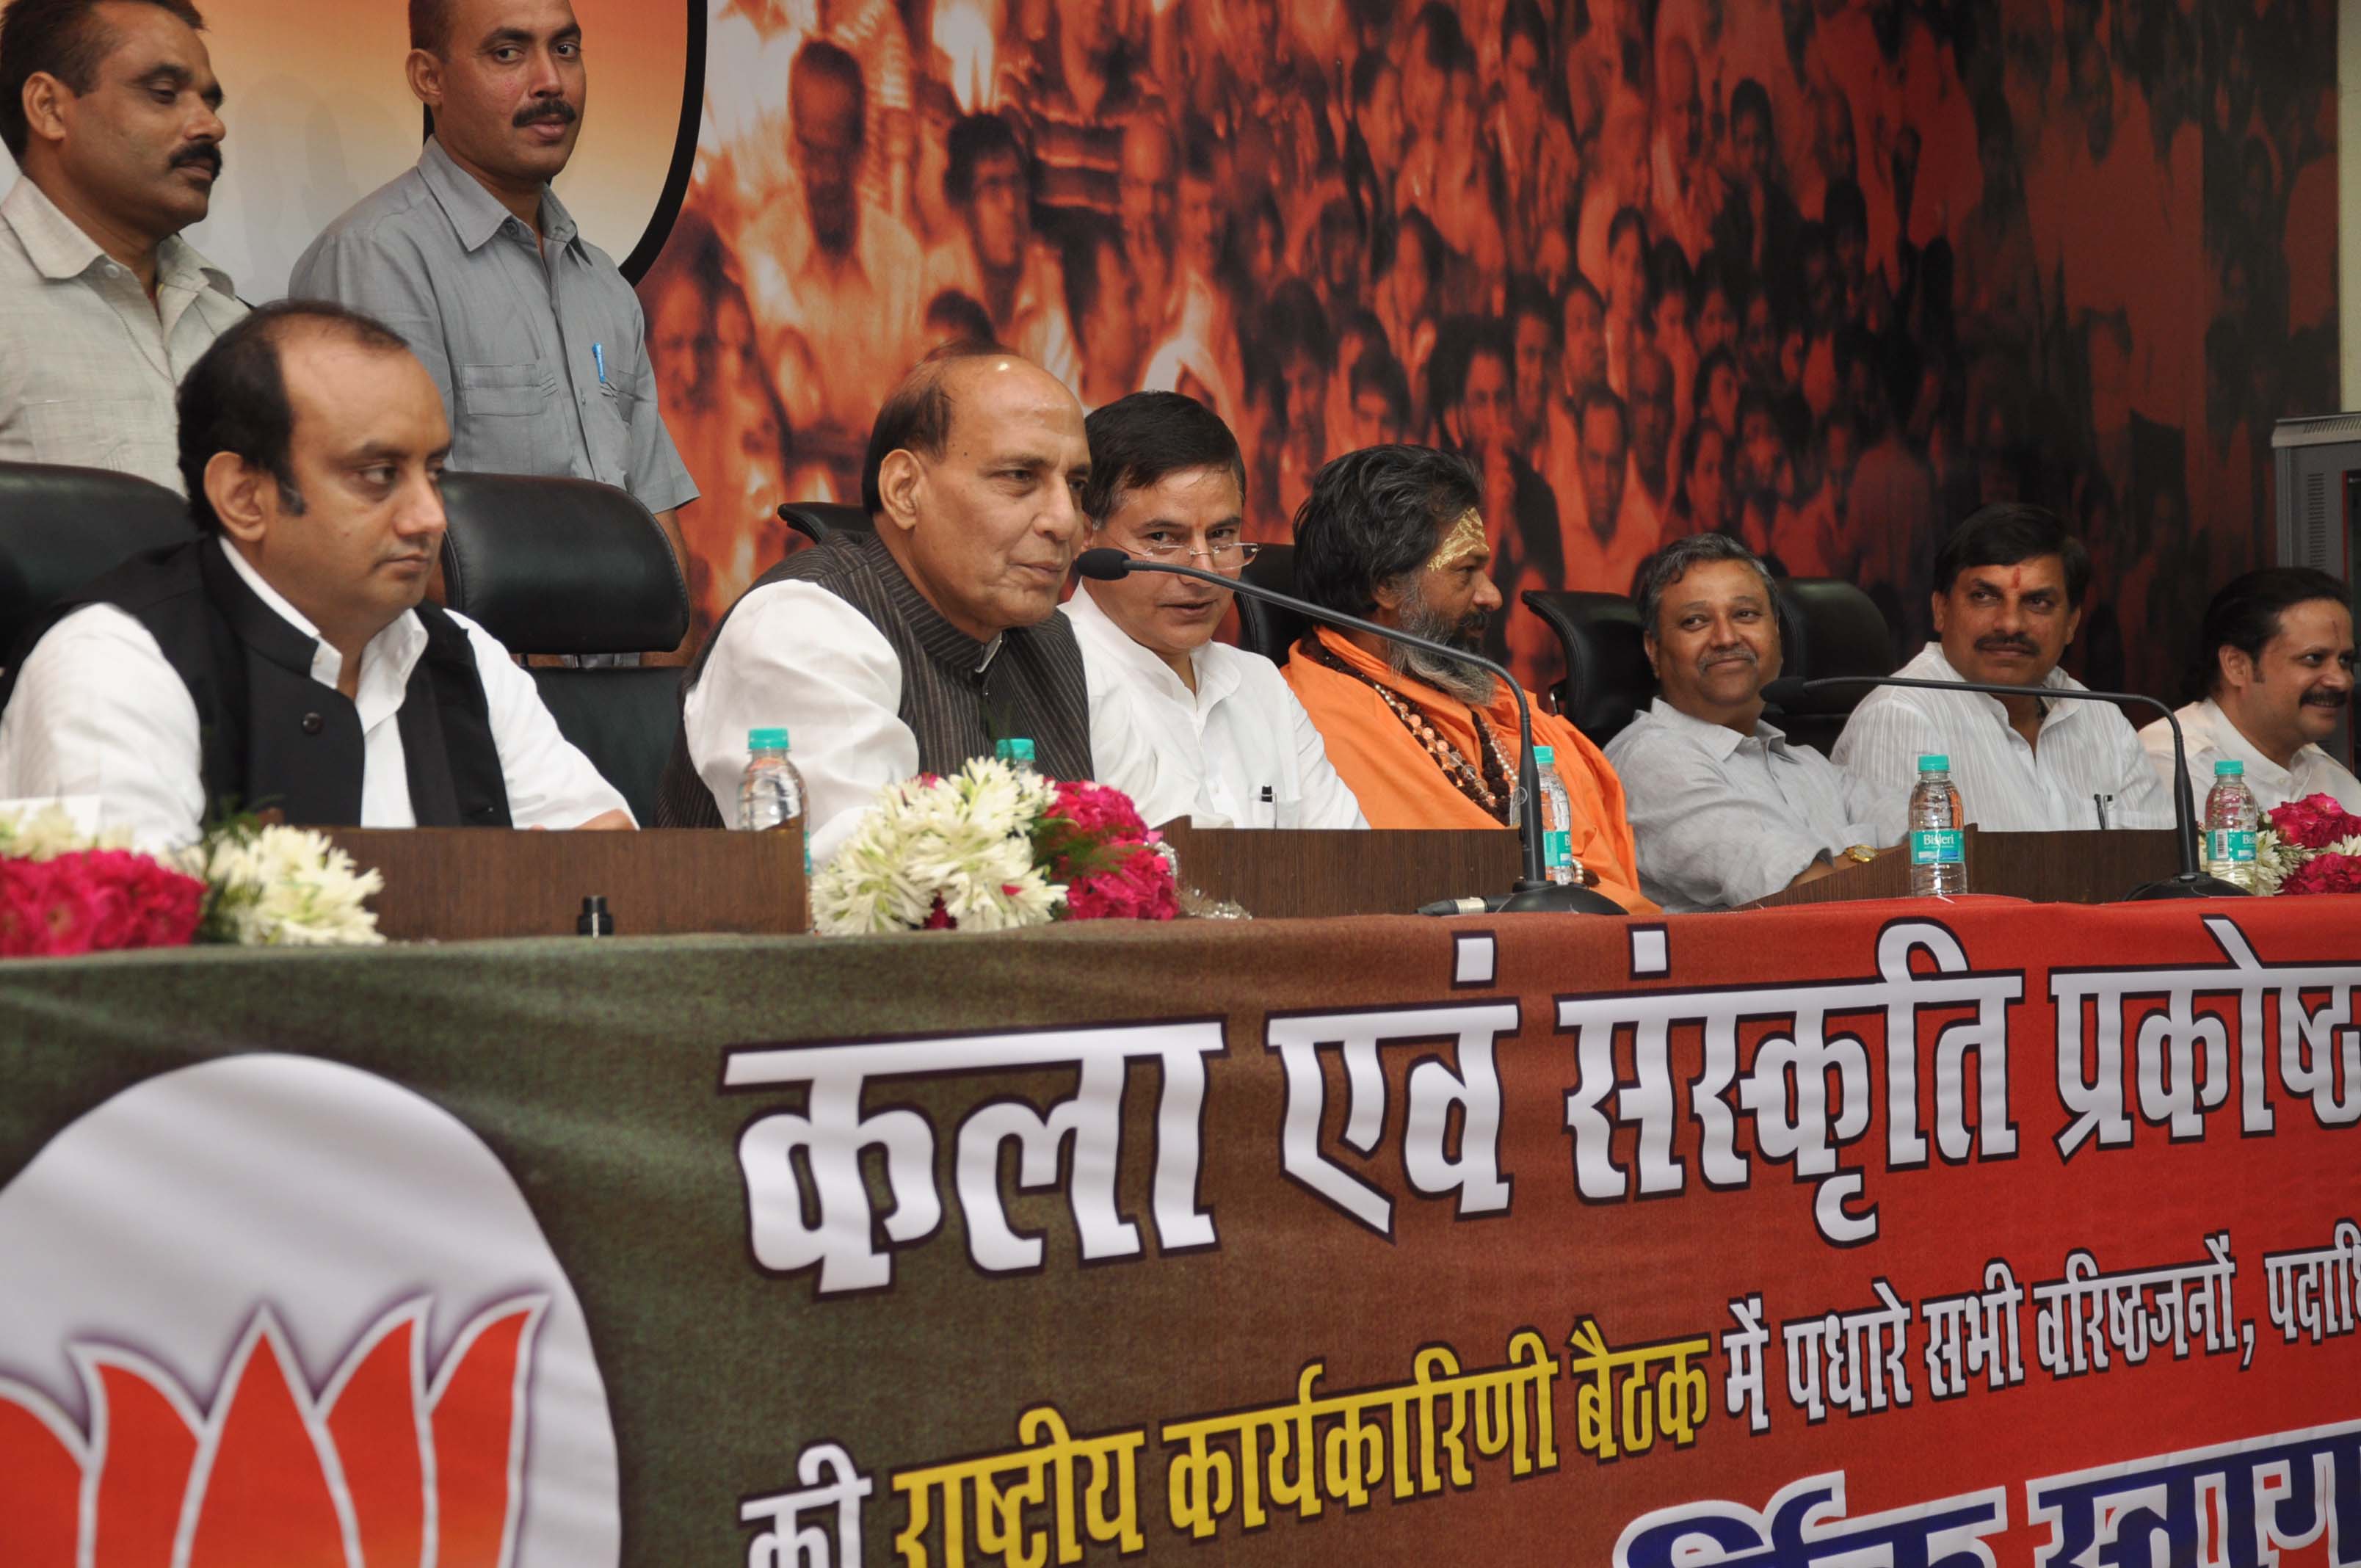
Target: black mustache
[
  {"x": 2328, "y": 699},
  {"x": 2021, "y": 644},
  {"x": 555, "y": 109},
  {"x": 204, "y": 153}
]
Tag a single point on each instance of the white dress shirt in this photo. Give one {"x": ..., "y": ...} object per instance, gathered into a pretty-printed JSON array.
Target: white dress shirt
[
  {"x": 1723, "y": 818},
  {"x": 2005, "y": 784},
  {"x": 89, "y": 365},
  {"x": 1239, "y": 751},
  {"x": 795, "y": 654},
  {"x": 99, "y": 711},
  {"x": 2211, "y": 737}
]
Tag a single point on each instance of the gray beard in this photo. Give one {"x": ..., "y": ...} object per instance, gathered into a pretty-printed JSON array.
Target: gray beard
[{"x": 1471, "y": 684}]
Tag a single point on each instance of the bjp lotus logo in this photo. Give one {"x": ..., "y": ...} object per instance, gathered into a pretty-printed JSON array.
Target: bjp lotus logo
[{"x": 383, "y": 1466}]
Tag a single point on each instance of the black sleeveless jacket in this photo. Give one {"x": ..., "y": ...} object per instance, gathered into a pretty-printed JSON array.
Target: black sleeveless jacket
[{"x": 272, "y": 736}]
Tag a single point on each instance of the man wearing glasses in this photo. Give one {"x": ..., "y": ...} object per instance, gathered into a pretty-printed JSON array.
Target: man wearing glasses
[{"x": 1227, "y": 743}]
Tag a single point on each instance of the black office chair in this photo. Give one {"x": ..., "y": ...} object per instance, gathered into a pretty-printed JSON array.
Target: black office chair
[
  {"x": 570, "y": 566},
  {"x": 817, "y": 520},
  {"x": 60, "y": 527},
  {"x": 1607, "y": 675},
  {"x": 1830, "y": 628},
  {"x": 1269, "y": 629}
]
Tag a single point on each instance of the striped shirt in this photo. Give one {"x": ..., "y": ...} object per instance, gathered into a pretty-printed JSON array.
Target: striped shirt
[
  {"x": 98, "y": 392},
  {"x": 873, "y": 685},
  {"x": 2088, "y": 749}
]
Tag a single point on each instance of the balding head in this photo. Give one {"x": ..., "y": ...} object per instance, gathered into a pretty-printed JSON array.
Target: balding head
[{"x": 974, "y": 475}]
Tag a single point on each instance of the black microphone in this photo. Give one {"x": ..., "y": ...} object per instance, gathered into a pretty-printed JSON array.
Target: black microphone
[
  {"x": 1534, "y": 891},
  {"x": 2192, "y": 882}
]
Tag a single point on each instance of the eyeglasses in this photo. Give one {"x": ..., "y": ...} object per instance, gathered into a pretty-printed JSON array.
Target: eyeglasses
[{"x": 1228, "y": 557}]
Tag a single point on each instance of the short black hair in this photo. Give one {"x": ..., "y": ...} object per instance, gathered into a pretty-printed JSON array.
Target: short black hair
[
  {"x": 973, "y": 139},
  {"x": 1136, "y": 441},
  {"x": 64, "y": 38},
  {"x": 430, "y": 25},
  {"x": 2006, "y": 532},
  {"x": 1372, "y": 519},
  {"x": 818, "y": 57},
  {"x": 2246, "y": 613},
  {"x": 1528, "y": 296},
  {"x": 1437, "y": 30},
  {"x": 1598, "y": 397},
  {"x": 916, "y": 414},
  {"x": 234, "y": 397},
  {"x": 1377, "y": 370},
  {"x": 1751, "y": 97},
  {"x": 962, "y": 314},
  {"x": 1524, "y": 18},
  {"x": 1670, "y": 565}
]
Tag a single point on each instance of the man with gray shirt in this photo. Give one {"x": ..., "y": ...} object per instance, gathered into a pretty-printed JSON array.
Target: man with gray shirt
[
  {"x": 1725, "y": 809},
  {"x": 112, "y": 112},
  {"x": 532, "y": 334}
]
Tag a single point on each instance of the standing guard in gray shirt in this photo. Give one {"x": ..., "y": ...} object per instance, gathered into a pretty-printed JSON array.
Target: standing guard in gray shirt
[
  {"x": 1725, "y": 808},
  {"x": 529, "y": 330}
]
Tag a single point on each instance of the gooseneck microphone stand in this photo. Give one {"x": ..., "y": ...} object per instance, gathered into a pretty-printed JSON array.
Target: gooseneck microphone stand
[
  {"x": 2192, "y": 882},
  {"x": 1534, "y": 892}
]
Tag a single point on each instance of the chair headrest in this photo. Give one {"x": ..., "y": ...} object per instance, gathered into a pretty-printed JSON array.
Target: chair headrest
[
  {"x": 1833, "y": 629},
  {"x": 60, "y": 527},
  {"x": 560, "y": 565},
  {"x": 816, "y": 520},
  {"x": 1270, "y": 630},
  {"x": 1607, "y": 678}
]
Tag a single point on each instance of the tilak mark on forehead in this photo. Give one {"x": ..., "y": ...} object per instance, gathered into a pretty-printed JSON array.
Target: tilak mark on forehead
[{"x": 1465, "y": 539}]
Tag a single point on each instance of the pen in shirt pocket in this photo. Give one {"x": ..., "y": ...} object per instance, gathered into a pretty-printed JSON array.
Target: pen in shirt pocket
[{"x": 598, "y": 357}]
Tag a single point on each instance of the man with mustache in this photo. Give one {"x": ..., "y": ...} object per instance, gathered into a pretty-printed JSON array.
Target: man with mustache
[
  {"x": 2275, "y": 676},
  {"x": 1227, "y": 743},
  {"x": 1726, "y": 808},
  {"x": 111, "y": 113},
  {"x": 1395, "y": 534},
  {"x": 2008, "y": 594},
  {"x": 917, "y": 646},
  {"x": 532, "y": 336},
  {"x": 285, "y": 659}
]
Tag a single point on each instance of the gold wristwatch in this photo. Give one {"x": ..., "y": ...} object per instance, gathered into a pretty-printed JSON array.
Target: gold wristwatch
[{"x": 1859, "y": 854}]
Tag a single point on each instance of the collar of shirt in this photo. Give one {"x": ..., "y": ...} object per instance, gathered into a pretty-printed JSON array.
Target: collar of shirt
[
  {"x": 386, "y": 661},
  {"x": 1933, "y": 667},
  {"x": 1718, "y": 741},
  {"x": 2204, "y": 723},
  {"x": 943, "y": 643},
  {"x": 61, "y": 252},
  {"x": 1217, "y": 677},
  {"x": 476, "y": 214}
]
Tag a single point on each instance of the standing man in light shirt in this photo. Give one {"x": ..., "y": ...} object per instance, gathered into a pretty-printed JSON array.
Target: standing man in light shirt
[
  {"x": 2009, "y": 587},
  {"x": 1229, "y": 746},
  {"x": 284, "y": 659},
  {"x": 531, "y": 333},
  {"x": 111, "y": 113},
  {"x": 2277, "y": 672},
  {"x": 1726, "y": 808}
]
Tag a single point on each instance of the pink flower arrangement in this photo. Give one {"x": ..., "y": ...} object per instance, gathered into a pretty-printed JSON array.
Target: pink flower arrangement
[
  {"x": 2312, "y": 845},
  {"x": 1092, "y": 841},
  {"x": 94, "y": 901}
]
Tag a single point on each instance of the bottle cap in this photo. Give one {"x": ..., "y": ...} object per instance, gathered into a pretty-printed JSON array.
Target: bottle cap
[
  {"x": 1014, "y": 750},
  {"x": 2229, "y": 770},
  {"x": 771, "y": 738},
  {"x": 1934, "y": 762},
  {"x": 1545, "y": 756}
]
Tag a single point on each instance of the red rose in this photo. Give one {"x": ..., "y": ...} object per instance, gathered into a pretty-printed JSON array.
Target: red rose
[
  {"x": 95, "y": 901},
  {"x": 2325, "y": 873},
  {"x": 1139, "y": 887},
  {"x": 2315, "y": 822},
  {"x": 1104, "y": 813}
]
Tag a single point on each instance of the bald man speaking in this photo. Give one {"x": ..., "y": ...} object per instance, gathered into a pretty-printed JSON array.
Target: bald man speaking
[{"x": 915, "y": 649}]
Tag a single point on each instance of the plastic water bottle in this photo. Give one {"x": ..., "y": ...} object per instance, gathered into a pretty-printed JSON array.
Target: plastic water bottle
[
  {"x": 2231, "y": 817},
  {"x": 1939, "y": 851},
  {"x": 1018, "y": 752},
  {"x": 770, "y": 792},
  {"x": 1557, "y": 819}
]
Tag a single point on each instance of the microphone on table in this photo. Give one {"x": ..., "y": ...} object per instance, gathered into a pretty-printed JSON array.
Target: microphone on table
[
  {"x": 2192, "y": 882},
  {"x": 1534, "y": 891}
]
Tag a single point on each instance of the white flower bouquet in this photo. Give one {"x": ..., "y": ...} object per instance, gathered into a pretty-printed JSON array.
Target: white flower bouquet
[{"x": 281, "y": 887}]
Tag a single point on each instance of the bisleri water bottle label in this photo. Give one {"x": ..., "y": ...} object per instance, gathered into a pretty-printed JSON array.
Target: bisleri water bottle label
[
  {"x": 2230, "y": 844},
  {"x": 1557, "y": 848},
  {"x": 1938, "y": 847}
]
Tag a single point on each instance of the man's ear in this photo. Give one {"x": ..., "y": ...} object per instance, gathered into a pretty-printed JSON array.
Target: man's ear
[
  {"x": 1941, "y": 603},
  {"x": 2237, "y": 668},
  {"x": 901, "y": 483},
  {"x": 423, "y": 70},
  {"x": 1647, "y": 646},
  {"x": 235, "y": 489},
  {"x": 44, "y": 99}
]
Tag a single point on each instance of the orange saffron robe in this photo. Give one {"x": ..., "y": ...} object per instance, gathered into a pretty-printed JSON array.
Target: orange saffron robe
[{"x": 1398, "y": 785}]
